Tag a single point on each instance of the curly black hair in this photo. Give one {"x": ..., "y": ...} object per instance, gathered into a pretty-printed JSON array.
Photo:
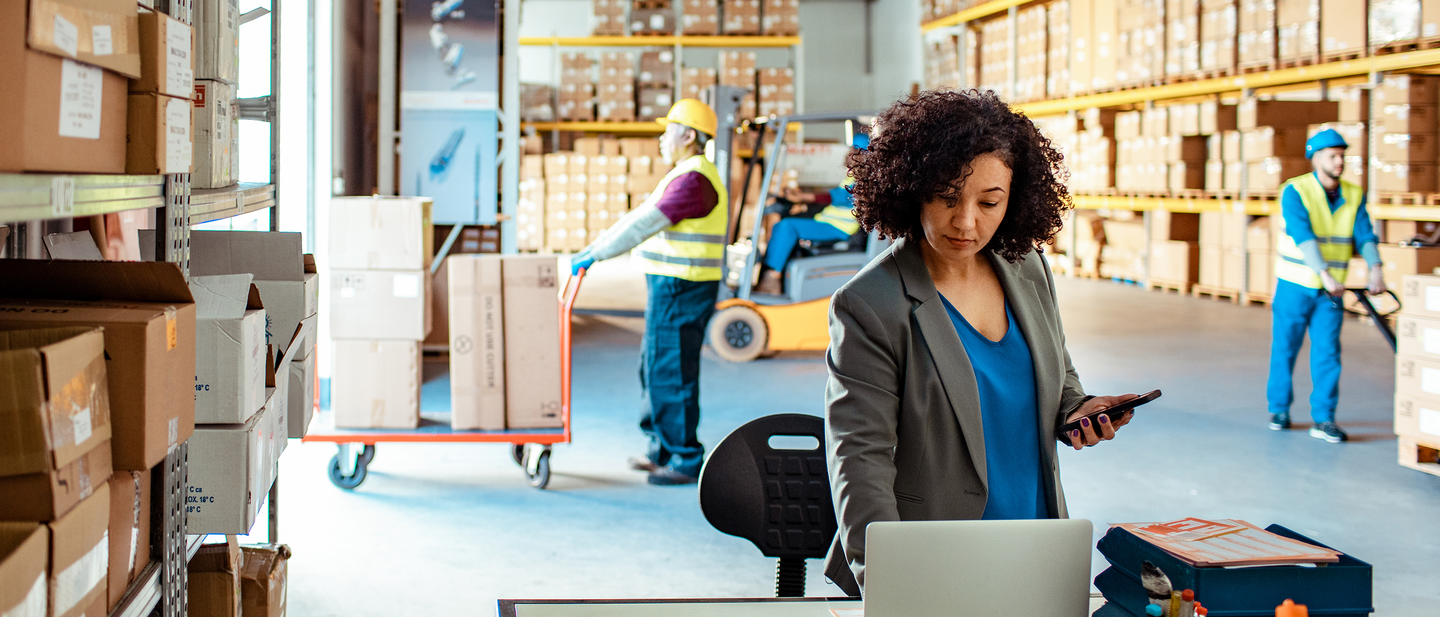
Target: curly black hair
[{"x": 923, "y": 144}]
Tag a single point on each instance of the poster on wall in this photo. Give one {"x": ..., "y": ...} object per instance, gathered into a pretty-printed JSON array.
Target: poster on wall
[{"x": 449, "y": 94}]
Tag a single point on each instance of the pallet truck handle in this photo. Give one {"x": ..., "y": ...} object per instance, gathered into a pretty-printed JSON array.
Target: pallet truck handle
[
  {"x": 1363, "y": 297},
  {"x": 567, "y": 306}
]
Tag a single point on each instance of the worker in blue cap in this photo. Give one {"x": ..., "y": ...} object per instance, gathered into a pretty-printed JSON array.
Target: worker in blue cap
[
  {"x": 1325, "y": 219},
  {"x": 833, "y": 223}
]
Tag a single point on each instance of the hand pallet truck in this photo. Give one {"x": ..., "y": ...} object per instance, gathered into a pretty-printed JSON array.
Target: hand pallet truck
[{"x": 530, "y": 448}]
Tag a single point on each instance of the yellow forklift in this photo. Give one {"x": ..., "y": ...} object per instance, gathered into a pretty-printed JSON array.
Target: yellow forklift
[{"x": 747, "y": 324}]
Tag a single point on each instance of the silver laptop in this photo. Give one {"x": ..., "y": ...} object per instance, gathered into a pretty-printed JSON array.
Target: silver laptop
[{"x": 978, "y": 568}]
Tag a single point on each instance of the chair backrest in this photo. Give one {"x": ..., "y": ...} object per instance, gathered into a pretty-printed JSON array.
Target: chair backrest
[{"x": 777, "y": 499}]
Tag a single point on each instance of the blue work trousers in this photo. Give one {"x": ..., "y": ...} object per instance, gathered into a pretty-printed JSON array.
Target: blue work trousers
[
  {"x": 1297, "y": 308},
  {"x": 788, "y": 232},
  {"x": 675, "y": 318}
]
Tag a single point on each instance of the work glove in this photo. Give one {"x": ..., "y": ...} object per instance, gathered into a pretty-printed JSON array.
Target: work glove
[
  {"x": 1377, "y": 281},
  {"x": 581, "y": 261}
]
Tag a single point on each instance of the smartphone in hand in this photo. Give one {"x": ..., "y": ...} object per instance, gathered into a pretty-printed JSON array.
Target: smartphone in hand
[{"x": 1114, "y": 413}]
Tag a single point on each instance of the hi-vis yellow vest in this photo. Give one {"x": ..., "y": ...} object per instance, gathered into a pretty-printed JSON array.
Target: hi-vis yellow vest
[
  {"x": 840, "y": 218},
  {"x": 1334, "y": 231},
  {"x": 693, "y": 249}
]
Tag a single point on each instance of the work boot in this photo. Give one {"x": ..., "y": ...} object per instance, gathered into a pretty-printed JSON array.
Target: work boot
[
  {"x": 642, "y": 463},
  {"x": 1329, "y": 431},
  {"x": 1280, "y": 421},
  {"x": 770, "y": 283},
  {"x": 668, "y": 476}
]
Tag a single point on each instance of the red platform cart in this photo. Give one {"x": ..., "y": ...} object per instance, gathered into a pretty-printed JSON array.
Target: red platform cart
[{"x": 529, "y": 448}]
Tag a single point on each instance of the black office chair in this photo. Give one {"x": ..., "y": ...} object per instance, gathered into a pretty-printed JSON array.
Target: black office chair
[{"x": 777, "y": 499}]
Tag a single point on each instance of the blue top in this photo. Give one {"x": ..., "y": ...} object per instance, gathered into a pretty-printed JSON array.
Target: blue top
[
  {"x": 1005, "y": 375},
  {"x": 840, "y": 196},
  {"x": 1297, "y": 222}
]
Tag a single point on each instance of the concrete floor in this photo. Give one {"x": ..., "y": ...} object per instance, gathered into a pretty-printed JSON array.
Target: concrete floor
[{"x": 448, "y": 529}]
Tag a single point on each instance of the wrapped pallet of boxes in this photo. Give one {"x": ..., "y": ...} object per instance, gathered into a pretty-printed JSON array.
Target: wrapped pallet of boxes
[
  {"x": 148, "y": 316},
  {"x": 57, "y": 417},
  {"x": 380, "y": 254},
  {"x": 24, "y": 566}
]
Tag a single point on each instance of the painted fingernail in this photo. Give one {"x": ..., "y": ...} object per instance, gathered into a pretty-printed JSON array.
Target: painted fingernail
[
  {"x": 1085, "y": 422},
  {"x": 1104, "y": 419},
  {"x": 1074, "y": 433}
]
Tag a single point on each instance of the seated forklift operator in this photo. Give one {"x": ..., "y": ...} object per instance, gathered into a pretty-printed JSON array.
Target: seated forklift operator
[{"x": 833, "y": 223}]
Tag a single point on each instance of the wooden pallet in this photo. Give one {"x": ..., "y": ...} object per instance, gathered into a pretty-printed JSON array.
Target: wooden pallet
[
  {"x": 1403, "y": 199},
  {"x": 1179, "y": 287},
  {"x": 1199, "y": 75},
  {"x": 1354, "y": 54},
  {"x": 1189, "y": 194},
  {"x": 1412, "y": 45},
  {"x": 1256, "y": 67},
  {"x": 1256, "y": 297},
  {"x": 1298, "y": 62},
  {"x": 1419, "y": 456},
  {"x": 1216, "y": 293}
]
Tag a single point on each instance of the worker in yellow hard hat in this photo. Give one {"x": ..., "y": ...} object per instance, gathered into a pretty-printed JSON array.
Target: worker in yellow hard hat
[{"x": 678, "y": 238}]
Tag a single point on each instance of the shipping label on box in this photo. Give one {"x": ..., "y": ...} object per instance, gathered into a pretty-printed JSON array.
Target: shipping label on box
[
  {"x": 211, "y": 130},
  {"x": 80, "y": 555},
  {"x": 158, "y": 135},
  {"x": 381, "y": 233},
  {"x": 217, "y": 40},
  {"x": 229, "y": 348},
  {"x": 1420, "y": 295},
  {"x": 24, "y": 566},
  {"x": 166, "y": 56},
  {"x": 105, "y": 33},
  {"x": 227, "y": 469},
  {"x": 477, "y": 343},
  {"x": 376, "y": 384},
  {"x": 378, "y": 304},
  {"x": 531, "y": 314},
  {"x": 1418, "y": 337},
  {"x": 1417, "y": 415}
]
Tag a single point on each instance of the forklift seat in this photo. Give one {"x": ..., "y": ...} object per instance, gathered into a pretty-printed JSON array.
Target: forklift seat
[{"x": 815, "y": 248}]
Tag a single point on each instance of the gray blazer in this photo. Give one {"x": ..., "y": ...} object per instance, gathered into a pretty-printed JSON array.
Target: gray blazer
[{"x": 904, "y": 436}]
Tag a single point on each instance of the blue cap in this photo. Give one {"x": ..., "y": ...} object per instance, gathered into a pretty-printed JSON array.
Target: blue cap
[
  {"x": 1327, "y": 138},
  {"x": 860, "y": 141}
]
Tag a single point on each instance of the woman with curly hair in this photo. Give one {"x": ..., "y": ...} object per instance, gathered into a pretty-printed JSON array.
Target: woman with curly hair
[{"x": 949, "y": 378}]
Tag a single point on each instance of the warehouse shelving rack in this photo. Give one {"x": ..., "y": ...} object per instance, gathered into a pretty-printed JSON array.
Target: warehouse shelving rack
[
  {"x": 1369, "y": 70},
  {"x": 29, "y": 201}
]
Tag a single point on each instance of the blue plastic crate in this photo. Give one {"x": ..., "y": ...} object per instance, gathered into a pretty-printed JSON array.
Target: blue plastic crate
[{"x": 1341, "y": 589}]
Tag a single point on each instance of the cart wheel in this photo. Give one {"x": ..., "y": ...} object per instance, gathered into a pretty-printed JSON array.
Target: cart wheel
[
  {"x": 517, "y": 452},
  {"x": 738, "y": 334},
  {"x": 541, "y": 476},
  {"x": 348, "y": 482},
  {"x": 368, "y": 454}
]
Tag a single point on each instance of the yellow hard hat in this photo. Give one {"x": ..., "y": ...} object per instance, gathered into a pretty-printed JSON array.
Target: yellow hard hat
[{"x": 692, "y": 113}]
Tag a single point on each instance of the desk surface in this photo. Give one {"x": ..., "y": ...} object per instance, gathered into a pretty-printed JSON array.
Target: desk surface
[{"x": 700, "y": 607}]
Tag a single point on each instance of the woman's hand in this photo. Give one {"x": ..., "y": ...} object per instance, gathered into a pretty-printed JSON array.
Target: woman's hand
[{"x": 1091, "y": 434}]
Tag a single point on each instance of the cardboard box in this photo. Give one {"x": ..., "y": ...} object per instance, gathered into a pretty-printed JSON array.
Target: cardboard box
[
  {"x": 1400, "y": 231},
  {"x": 103, "y": 33},
  {"x": 301, "y": 406},
  {"x": 1271, "y": 173},
  {"x": 1342, "y": 26},
  {"x": 158, "y": 135},
  {"x": 217, "y": 40},
  {"x": 381, "y": 233},
  {"x": 1175, "y": 261},
  {"x": 1261, "y": 273},
  {"x": 379, "y": 304},
  {"x": 477, "y": 348},
  {"x": 129, "y": 531},
  {"x": 1269, "y": 141},
  {"x": 1418, "y": 336},
  {"x": 167, "y": 56},
  {"x": 1405, "y": 118},
  {"x": 263, "y": 580},
  {"x": 1417, "y": 416},
  {"x": 1403, "y": 261},
  {"x": 1186, "y": 176},
  {"x": 57, "y": 114},
  {"x": 229, "y": 348},
  {"x": 24, "y": 564},
  {"x": 1226, "y": 229},
  {"x": 1399, "y": 177},
  {"x": 1412, "y": 89},
  {"x": 532, "y": 315},
  {"x": 652, "y": 21},
  {"x": 80, "y": 555},
  {"x": 231, "y": 468},
  {"x": 1183, "y": 226},
  {"x": 1214, "y": 175},
  {"x": 1261, "y": 237},
  {"x": 286, "y": 278},
  {"x": 376, "y": 384},
  {"x": 1420, "y": 294},
  {"x": 1255, "y": 113},
  {"x": 214, "y": 580},
  {"x": 212, "y": 131},
  {"x": 1406, "y": 148},
  {"x": 149, "y": 319}
]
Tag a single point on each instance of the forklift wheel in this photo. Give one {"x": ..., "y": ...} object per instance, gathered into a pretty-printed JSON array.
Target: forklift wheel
[{"x": 738, "y": 334}]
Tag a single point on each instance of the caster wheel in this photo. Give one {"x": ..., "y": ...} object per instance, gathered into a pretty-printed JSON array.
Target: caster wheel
[
  {"x": 338, "y": 478},
  {"x": 738, "y": 334},
  {"x": 517, "y": 453},
  {"x": 368, "y": 454},
  {"x": 541, "y": 476}
]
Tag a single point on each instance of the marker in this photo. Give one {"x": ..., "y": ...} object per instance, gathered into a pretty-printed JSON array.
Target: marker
[{"x": 1187, "y": 603}]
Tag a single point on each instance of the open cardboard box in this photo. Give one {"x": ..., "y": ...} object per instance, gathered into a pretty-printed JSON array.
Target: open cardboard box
[{"x": 229, "y": 348}]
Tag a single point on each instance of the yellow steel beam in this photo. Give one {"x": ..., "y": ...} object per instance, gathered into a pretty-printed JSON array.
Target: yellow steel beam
[
  {"x": 597, "y": 127},
  {"x": 661, "y": 41},
  {"x": 1176, "y": 204},
  {"x": 1405, "y": 213},
  {"x": 972, "y": 14},
  {"x": 1281, "y": 77}
]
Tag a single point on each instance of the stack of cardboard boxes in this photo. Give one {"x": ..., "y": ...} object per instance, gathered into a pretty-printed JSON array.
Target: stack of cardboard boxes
[
  {"x": 1297, "y": 25},
  {"x": 737, "y": 68},
  {"x": 577, "y": 87},
  {"x": 693, "y": 81},
  {"x": 942, "y": 63},
  {"x": 1031, "y": 54},
  {"x": 1123, "y": 255},
  {"x": 98, "y": 392},
  {"x": 1094, "y": 166},
  {"x": 530, "y": 207},
  {"x": 1343, "y": 25},
  {"x": 1417, "y": 373},
  {"x": 609, "y": 17},
  {"x": 655, "y": 84},
  {"x": 994, "y": 57},
  {"x": 617, "y": 87},
  {"x": 1405, "y": 133},
  {"x": 1141, "y": 42},
  {"x": 781, "y": 18},
  {"x": 1057, "y": 42},
  {"x": 741, "y": 17},
  {"x": 652, "y": 17},
  {"x": 777, "y": 92},
  {"x": 1182, "y": 37},
  {"x": 158, "y": 122},
  {"x": 505, "y": 342},
  {"x": 1273, "y": 138},
  {"x": 216, "y": 121},
  {"x": 1222, "y": 250},
  {"x": 1264, "y": 235},
  {"x": 588, "y": 189},
  {"x": 380, "y": 254},
  {"x": 1256, "y": 37},
  {"x": 700, "y": 18},
  {"x": 1174, "y": 249}
]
